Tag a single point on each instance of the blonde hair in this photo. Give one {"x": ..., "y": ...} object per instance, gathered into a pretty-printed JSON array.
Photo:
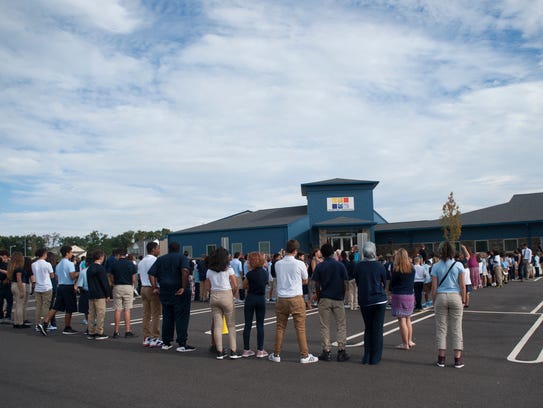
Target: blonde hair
[
  {"x": 401, "y": 262},
  {"x": 256, "y": 260}
]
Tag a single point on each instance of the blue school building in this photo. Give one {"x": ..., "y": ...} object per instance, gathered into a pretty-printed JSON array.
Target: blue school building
[{"x": 341, "y": 212}]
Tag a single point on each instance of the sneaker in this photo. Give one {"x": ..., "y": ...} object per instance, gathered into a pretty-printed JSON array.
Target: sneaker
[
  {"x": 116, "y": 335},
  {"x": 342, "y": 355},
  {"x": 85, "y": 322},
  {"x": 233, "y": 355},
  {"x": 458, "y": 362},
  {"x": 52, "y": 327},
  {"x": 69, "y": 330},
  {"x": 166, "y": 346},
  {"x": 309, "y": 359},
  {"x": 248, "y": 353},
  {"x": 261, "y": 353},
  {"x": 156, "y": 343},
  {"x": 325, "y": 356},
  {"x": 274, "y": 357},
  {"x": 221, "y": 355},
  {"x": 129, "y": 335},
  {"x": 36, "y": 329},
  {"x": 185, "y": 348},
  {"x": 91, "y": 336},
  {"x": 147, "y": 342},
  {"x": 42, "y": 329},
  {"x": 101, "y": 336},
  {"x": 440, "y": 361}
]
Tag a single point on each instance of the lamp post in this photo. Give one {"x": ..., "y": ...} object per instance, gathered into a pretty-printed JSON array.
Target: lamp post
[{"x": 11, "y": 246}]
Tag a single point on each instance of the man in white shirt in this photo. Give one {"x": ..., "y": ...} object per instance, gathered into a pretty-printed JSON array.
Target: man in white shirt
[
  {"x": 291, "y": 274},
  {"x": 43, "y": 289},
  {"x": 152, "y": 309},
  {"x": 526, "y": 261}
]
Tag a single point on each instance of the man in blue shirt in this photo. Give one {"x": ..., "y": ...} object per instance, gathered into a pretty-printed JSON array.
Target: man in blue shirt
[
  {"x": 237, "y": 266},
  {"x": 65, "y": 300},
  {"x": 169, "y": 277},
  {"x": 331, "y": 280}
]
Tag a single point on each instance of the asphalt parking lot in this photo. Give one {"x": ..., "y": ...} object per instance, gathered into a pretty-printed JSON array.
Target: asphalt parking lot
[{"x": 503, "y": 337}]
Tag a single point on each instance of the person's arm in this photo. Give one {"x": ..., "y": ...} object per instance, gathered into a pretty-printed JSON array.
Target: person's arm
[
  {"x": 233, "y": 284},
  {"x": 462, "y": 284},
  {"x": 246, "y": 284},
  {"x": 207, "y": 285},
  {"x": 465, "y": 252},
  {"x": 185, "y": 272},
  {"x": 434, "y": 288}
]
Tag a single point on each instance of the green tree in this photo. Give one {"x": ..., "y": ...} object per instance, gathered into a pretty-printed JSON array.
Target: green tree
[{"x": 450, "y": 220}]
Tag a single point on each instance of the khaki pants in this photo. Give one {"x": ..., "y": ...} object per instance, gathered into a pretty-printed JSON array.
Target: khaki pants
[
  {"x": 97, "y": 311},
  {"x": 498, "y": 272},
  {"x": 448, "y": 316},
  {"x": 328, "y": 309},
  {"x": 353, "y": 294},
  {"x": 222, "y": 304},
  {"x": 285, "y": 307},
  {"x": 43, "y": 303},
  {"x": 20, "y": 304},
  {"x": 152, "y": 309}
]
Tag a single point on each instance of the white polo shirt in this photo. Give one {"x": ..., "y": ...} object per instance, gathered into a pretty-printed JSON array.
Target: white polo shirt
[{"x": 289, "y": 273}]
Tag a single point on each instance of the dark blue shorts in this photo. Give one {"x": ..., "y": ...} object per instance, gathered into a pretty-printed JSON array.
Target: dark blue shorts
[{"x": 66, "y": 300}]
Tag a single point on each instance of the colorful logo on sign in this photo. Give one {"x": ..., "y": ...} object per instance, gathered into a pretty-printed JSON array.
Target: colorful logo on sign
[{"x": 340, "y": 203}]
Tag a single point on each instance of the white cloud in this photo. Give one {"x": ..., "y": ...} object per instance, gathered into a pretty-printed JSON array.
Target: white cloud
[{"x": 109, "y": 125}]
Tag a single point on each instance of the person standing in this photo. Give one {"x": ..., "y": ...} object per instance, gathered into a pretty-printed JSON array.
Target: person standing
[
  {"x": 43, "y": 290},
  {"x": 370, "y": 276},
  {"x": 526, "y": 262},
  {"x": 449, "y": 295},
  {"x": 331, "y": 280},
  {"x": 221, "y": 283},
  {"x": 420, "y": 276},
  {"x": 291, "y": 275},
  {"x": 237, "y": 266},
  {"x": 403, "y": 300},
  {"x": 255, "y": 303},
  {"x": 5, "y": 289},
  {"x": 15, "y": 274},
  {"x": 152, "y": 308},
  {"x": 98, "y": 295},
  {"x": 65, "y": 299},
  {"x": 123, "y": 275},
  {"x": 169, "y": 277}
]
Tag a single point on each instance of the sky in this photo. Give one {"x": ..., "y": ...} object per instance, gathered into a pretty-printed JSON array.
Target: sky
[{"x": 120, "y": 115}]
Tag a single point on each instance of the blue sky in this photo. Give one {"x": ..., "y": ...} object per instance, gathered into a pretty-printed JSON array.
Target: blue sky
[{"x": 119, "y": 115}]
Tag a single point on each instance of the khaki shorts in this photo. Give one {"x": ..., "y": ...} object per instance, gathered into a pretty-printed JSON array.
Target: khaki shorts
[{"x": 123, "y": 297}]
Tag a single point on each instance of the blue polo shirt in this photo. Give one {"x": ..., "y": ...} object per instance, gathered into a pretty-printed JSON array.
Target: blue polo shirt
[
  {"x": 331, "y": 276},
  {"x": 63, "y": 269}
]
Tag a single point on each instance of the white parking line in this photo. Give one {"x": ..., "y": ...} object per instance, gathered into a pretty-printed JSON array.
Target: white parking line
[{"x": 518, "y": 348}]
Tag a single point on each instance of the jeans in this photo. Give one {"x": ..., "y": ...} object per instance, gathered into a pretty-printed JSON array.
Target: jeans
[
  {"x": 176, "y": 314},
  {"x": 374, "y": 318},
  {"x": 254, "y": 304}
]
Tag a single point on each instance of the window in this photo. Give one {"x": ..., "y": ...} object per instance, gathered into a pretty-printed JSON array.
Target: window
[
  {"x": 225, "y": 242},
  {"x": 237, "y": 247},
  {"x": 509, "y": 245},
  {"x": 188, "y": 250},
  {"x": 481, "y": 246},
  {"x": 264, "y": 247},
  {"x": 210, "y": 248}
]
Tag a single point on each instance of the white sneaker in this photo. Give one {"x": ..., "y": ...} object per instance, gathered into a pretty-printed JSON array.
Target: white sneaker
[
  {"x": 275, "y": 358},
  {"x": 166, "y": 346},
  {"x": 147, "y": 342},
  {"x": 51, "y": 327},
  {"x": 84, "y": 322},
  {"x": 309, "y": 359},
  {"x": 156, "y": 343}
]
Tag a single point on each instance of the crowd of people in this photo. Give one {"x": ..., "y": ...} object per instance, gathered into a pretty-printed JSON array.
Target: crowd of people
[{"x": 332, "y": 281}]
